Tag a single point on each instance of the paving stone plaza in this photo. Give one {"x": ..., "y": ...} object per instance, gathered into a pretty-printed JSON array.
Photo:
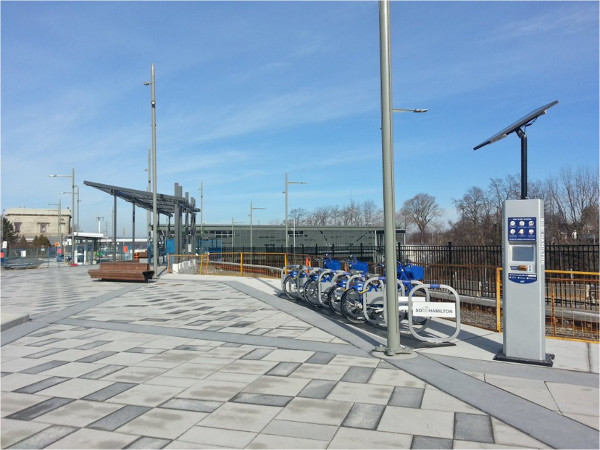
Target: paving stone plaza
[{"x": 206, "y": 362}]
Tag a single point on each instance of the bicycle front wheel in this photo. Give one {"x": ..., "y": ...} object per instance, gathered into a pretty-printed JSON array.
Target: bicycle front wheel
[
  {"x": 352, "y": 306},
  {"x": 335, "y": 299},
  {"x": 311, "y": 292},
  {"x": 290, "y": 287}
]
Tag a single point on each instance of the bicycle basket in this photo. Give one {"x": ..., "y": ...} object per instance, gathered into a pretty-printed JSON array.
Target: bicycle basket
[
  {"x": 332, "y": 264},
  {"x": 361, "y": 266},
  {"x": 414, "y": 272}
]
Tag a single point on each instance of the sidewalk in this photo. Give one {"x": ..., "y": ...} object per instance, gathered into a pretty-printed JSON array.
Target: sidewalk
[{"x": 206, "y": 362}]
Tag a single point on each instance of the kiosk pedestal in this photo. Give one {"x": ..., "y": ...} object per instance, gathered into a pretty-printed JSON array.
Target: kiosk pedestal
[{"x": 523, "y": 281}]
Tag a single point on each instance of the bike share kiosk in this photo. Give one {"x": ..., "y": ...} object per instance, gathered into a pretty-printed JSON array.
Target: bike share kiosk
[
  {"x": 523, "y": 268},
  {"x": 523, "y": 283}
]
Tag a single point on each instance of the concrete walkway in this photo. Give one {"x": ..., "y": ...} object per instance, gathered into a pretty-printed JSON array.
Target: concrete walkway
[{"x": 206, "y": 362}]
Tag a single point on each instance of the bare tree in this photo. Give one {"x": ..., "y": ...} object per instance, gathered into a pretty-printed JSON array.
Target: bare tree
[
  {"x": 421, "y": 210},
  {"x": 371, "y": 214},
  {"x": 476, "y": 218}
]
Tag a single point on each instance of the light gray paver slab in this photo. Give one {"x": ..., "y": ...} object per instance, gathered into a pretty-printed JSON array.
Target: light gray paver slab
[
  {"x": 575, "y": 399},
  {"x": 363, "y": 393},
  {"x": 285, "y": 442},
  {"x": 289, "y": 428},
  {"x": 163, "y": 423},
  {"x": 243, "y": 417},
  {"x": 100, "y": 439},
  {"x": 277, "y": 385},
  {"x": 213, "y": 390},
  {"x": 207, "y": 437},
  {"x": 327, "y": 412},
  {"x": 359, "y": 438},
  {"x": 417, "y": 421}
]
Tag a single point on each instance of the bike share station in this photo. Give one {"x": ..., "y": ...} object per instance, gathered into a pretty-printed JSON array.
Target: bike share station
[
  {"x": 523, "y": 265},
  {"x": 360, "y": 296}
]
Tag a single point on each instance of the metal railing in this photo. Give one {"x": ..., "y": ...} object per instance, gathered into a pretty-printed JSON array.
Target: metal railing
[{"x": 572, "y": 308}]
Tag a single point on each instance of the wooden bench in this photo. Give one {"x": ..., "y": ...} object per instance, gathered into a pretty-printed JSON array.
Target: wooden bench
[{"x": 122, "y": 271}]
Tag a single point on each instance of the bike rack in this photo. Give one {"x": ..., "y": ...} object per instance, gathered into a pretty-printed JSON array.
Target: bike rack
[
  {"x": 326, "y": 284},
  {"x": 432, "y": 340}
]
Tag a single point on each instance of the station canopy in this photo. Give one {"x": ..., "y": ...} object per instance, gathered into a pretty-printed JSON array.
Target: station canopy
[{"x": 165, "y": 204}]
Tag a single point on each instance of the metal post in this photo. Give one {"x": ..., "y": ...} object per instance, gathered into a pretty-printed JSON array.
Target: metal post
[
  {"x": 523, "y": 137},
  {"x": 391, "y": 297},
  {"x": 73, "y": 216},
  {"x": 286, "y": 212},
  {"x": 133, "y": 232},
  {"x": 154, "y": 180},
  {"x": 148, "y": 213},
  {"x": 115, "y": 227},
  {"x": 251, "y": 209},
  {"x": 202, "y": 210}
]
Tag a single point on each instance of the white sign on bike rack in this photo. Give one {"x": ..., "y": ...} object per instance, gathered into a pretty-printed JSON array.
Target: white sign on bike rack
[
  {"x": 403, "y": 302},
  {"x": 434, "y": 309}
]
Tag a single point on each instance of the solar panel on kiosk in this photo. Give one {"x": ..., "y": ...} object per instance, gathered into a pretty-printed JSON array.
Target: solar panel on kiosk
[{"x": 518, "y": 124}]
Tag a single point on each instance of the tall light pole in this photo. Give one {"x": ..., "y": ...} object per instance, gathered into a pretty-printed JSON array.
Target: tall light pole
[
  {"x": 389, "y": 203},
  {"x": 233, "y": 233},
  {"x": 287, "y": 183},
  {"x": 149, "y": 189},
  {"x": 202, "y": 210},
  {"x": 154, "y": 207},
  {"x": 252, "y": 208},
  {"x": 72, "y": 177},
  {"x": 99, "y": 218},
  {"x": 59, "y": 224}
]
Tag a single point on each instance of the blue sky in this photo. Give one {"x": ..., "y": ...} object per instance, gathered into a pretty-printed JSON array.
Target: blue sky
[{"x": 247, "y": 91}]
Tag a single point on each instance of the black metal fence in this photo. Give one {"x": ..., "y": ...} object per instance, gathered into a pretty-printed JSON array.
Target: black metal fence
[{"x": 583, "y": 258}]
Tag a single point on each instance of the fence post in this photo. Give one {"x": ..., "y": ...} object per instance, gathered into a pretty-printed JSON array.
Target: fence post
[
  {"x": 498, "y": 299},
  {"x": 241, "y": 264},
  {"x": 449, "y": 252}
]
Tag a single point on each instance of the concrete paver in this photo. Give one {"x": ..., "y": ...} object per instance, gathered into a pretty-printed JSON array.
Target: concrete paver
[{"x": 196, "y": 362}]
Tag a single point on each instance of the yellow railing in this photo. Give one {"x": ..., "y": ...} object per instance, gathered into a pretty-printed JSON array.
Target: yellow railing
[{"x": 572, "y": 304}]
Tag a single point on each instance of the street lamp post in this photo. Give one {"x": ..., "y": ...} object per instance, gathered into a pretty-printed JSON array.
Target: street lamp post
[
  {"x": 154, "y": 200},
  {"x": 252, "y": 208},
  {"x": 233, "y": 233},
  {"x": 59, "y": 224},
  {"x": 75, "y": 224},
  {"x": 287, "y": 183},
  {"x": 389, "y": 206},
  {"x": 72, "y": 177}
]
